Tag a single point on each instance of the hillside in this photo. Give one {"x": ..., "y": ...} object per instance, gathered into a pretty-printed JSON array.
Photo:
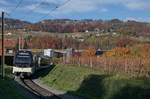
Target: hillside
[
  {"x": 15, "y": 23},
  {"x": 93, "y": 84},
  {"x": 114, "y": 25},
  {"x": 72, "y": 26}
]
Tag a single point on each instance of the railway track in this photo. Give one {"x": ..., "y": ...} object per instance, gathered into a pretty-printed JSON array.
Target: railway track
[{"x": 39, "y": 91}]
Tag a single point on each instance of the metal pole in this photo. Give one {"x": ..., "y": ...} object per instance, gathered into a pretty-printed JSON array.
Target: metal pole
[
  {"x": 3, "y": 57},
  {"x": 19, "y": 43}
]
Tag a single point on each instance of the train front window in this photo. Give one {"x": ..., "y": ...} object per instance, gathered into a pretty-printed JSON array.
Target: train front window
[{"x": 23, "y": 60}]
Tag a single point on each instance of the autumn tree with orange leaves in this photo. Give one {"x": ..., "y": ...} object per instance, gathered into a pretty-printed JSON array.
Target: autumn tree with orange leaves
[{"x": 89, "y": 54}]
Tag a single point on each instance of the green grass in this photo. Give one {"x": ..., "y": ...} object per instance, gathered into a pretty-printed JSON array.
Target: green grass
[
  {"x": 9, "y": 91},
  {"x": 93, "y": 84},
  {"x": 8, "y": 88}
]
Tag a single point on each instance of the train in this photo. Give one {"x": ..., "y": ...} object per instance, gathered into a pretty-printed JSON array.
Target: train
[{"x": 26, "y": 64}]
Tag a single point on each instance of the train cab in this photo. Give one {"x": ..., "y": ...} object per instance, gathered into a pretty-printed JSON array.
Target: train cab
[{"x": 23, "y": 63}]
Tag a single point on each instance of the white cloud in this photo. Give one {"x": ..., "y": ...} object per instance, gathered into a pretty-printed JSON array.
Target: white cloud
[
  {"x": 77, "y": 6},
  {"x": 138, "y": 5},
  {"x": 81, "y": 6},
  {"x": 3, "y": 2},
  {"x": 72, "y": 6},
  {"x": 3, "y": 7}
]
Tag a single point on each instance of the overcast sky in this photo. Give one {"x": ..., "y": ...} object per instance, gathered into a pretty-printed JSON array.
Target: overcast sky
[{"x": 35, "y": 10}]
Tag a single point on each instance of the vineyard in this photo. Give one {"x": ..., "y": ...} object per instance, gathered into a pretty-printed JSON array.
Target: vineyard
[{"x": 134, "y": 61}]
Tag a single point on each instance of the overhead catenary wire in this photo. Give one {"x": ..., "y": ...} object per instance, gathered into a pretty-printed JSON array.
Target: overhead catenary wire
[
  {"x": 54, "y": 9},
  {"x": 38, "y": 5},
  {"x": 14, "y": 9},
  {"x": 34, "y": 8},
  {"x": 12, "y": 27}
]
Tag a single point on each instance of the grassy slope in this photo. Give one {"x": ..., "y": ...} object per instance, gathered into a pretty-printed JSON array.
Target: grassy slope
[
  {"x": 92, "y": 84},
  {"x": 8, "y": 89}
]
